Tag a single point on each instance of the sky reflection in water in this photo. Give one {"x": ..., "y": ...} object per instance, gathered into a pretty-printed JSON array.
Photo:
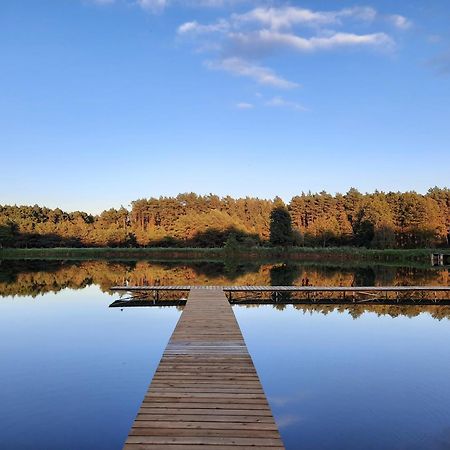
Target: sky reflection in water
[
  {"x": 335, "y": 382},
  {"x": 73, "y": 372}
]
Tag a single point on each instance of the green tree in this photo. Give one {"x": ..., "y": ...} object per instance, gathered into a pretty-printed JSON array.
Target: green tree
[
  {"x": 374, "y": 225},
  {"x": 281, "y": 233},
  {"x": 7, "y": 229}
]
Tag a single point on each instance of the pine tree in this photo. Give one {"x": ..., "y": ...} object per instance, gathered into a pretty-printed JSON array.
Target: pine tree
[{"x": 281, "y": 233}]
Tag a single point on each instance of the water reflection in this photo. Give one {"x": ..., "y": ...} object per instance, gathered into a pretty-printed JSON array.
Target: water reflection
[
  {"x": 73, "y": 371},
  {"x": 32, "y": 278},
  {"x": 378, "y": 382},
  {"x": 356, "y": 311}
]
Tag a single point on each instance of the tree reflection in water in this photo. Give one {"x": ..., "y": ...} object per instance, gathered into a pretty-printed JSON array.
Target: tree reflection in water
[{"x": 34, "y": 277}]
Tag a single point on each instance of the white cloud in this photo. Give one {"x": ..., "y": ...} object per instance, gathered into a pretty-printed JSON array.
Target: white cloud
[
  {"x": 264, "y": 30},
  {"x": 188, "y": 27},
  {"x": 363, "y": 13},
  {"x": 264, "y": 40},
  {"x": 286, "y": 17},
  {"x": 282, "y": 18},
  {"x": 289, "y": 16},
  {"x": 260, "y": 74},
  {"x": 240, "y": 42},
  {"x": 399, "y": 21},
  {"x": 197, "y": 28},
  {"x": 280, "y": 102},
  {"x": 244, "y": 105}
]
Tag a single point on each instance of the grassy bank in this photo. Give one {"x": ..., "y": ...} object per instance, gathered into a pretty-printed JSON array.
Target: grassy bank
[{"x": 217, "y": 254}]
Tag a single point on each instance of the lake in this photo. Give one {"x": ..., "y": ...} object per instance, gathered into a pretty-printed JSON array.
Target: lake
[{"x": 73, "y": 371}]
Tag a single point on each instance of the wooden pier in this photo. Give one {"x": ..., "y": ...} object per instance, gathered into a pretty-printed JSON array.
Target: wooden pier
[
  {"x": 205, "y": 392},
  {"x": 388, "y": 295}
]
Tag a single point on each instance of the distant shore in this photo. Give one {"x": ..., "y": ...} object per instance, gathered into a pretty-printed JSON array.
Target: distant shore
[{"x": 248, "y": 254}]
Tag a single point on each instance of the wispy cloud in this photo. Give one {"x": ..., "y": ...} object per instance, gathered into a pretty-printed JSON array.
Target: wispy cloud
[
  {"x": 275, "y": 18},
  {"x": 241, "y": 41},
  {"x": 244, "y": 105},
  {"x": 399, "y": 21},
  {"x": 196, "y": 28},
  {"x": 260, "y": 74},
  {"x": 265, "y": 41},
  {"x": 279, "y": 102},
  {"x": 289, "y": 16}
]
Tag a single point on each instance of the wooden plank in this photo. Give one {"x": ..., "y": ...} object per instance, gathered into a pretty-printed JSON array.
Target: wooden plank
[
  {"x": 194, "y": 447},
  {"x": 203, "y": 432},
  {"x": 206, "y": 389},
  {"x": 202, "y": 408},
  {"x": 203, "y": 440},
  {"x": 210, "y": 417},
  {"x": 286, "y": 288},
  {"x": 206, "y": 425},
  {"x": 206, "y": 392}
]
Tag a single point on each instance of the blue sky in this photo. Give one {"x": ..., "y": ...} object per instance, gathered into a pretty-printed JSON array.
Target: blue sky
[{"x": 104, "y": 102}]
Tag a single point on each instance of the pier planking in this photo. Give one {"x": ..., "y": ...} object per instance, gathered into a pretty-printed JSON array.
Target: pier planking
[{"x": 205, "y": 392}]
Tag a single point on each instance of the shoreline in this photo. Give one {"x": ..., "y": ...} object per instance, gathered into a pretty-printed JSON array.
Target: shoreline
[{"x": 308, "y": 254}]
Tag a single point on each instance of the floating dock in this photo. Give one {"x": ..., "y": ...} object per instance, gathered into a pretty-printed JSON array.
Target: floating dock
[{"x": 205, "y": 392}]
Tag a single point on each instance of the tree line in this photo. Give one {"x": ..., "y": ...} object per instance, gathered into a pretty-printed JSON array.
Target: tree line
[{"x": 374, "y": 220}]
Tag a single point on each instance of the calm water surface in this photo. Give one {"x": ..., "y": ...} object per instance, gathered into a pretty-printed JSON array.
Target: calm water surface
[
  {"x": 73, "y": 372},
  {"x": 335, "y": 382}
]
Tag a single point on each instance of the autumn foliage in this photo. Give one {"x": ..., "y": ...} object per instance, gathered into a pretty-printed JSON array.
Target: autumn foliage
[{"x": 377, "y": 220}]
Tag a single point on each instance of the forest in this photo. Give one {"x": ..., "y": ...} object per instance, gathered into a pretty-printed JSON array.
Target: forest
[{"x": 373, "y": 220}]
